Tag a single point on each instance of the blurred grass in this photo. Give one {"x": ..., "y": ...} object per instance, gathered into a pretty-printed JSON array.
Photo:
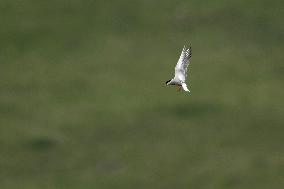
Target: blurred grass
[{"x": 82, "y": 101}]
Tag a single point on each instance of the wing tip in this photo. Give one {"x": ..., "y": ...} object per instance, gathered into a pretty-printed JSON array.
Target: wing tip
[
  {"x": 187, "y": 46},
  {"x": 187, "y": 50}
]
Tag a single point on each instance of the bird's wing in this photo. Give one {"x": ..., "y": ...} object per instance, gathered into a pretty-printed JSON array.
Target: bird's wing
[
  {"x": 184, "y": 87},
  {"x": 182, "y": 64}
]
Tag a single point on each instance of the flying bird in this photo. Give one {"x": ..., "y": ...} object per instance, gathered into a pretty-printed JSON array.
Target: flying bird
[{"x": 181, "y": 70}]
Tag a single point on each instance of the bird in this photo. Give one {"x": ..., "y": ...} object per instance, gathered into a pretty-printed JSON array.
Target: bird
[{"x": 181, "y": 70}]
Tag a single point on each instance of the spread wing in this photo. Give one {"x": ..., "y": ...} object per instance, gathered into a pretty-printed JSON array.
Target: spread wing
[{"x": 182, "y": 64}]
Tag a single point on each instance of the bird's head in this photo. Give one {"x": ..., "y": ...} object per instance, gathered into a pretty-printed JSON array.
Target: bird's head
[{"x": 168, "y": 82}]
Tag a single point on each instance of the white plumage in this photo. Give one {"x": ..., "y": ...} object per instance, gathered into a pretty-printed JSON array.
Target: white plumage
[{"x": 181, "y": 69}]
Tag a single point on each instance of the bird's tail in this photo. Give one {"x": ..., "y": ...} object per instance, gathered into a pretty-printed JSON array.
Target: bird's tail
[{"x": 184, "y": 87}]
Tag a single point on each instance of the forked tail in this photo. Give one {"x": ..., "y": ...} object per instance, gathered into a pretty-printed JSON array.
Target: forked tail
[{"x": 184, "y": 87}]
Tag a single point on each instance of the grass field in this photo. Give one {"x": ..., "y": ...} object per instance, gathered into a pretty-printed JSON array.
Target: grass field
[{"x": 83, "y": 102}]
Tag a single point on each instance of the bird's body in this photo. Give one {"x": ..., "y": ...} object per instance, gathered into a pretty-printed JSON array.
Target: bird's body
[{"x": 181, "y": 69}]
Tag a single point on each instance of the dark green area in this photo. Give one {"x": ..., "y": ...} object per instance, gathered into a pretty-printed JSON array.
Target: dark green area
[{"x": 83, "y": 102}]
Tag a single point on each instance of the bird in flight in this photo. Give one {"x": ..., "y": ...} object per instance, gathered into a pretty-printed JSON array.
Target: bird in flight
[{"x": 181, "y": 70}]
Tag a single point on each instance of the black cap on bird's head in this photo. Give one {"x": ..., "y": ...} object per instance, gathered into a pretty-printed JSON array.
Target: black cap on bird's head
[{"x": 168, "y": 82}]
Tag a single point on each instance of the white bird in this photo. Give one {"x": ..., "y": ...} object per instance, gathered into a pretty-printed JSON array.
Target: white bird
[{"x": 181, "y": 70}]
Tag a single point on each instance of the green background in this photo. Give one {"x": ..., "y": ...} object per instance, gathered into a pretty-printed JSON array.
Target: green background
[{"x": 83, "y": 102}]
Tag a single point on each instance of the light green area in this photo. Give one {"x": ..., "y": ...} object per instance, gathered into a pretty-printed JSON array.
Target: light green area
[{"x": 83, "y": 102}]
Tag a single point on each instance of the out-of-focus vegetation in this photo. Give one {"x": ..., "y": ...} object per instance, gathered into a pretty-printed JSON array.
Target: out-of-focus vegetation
[{"x": 83, "y": 102}]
